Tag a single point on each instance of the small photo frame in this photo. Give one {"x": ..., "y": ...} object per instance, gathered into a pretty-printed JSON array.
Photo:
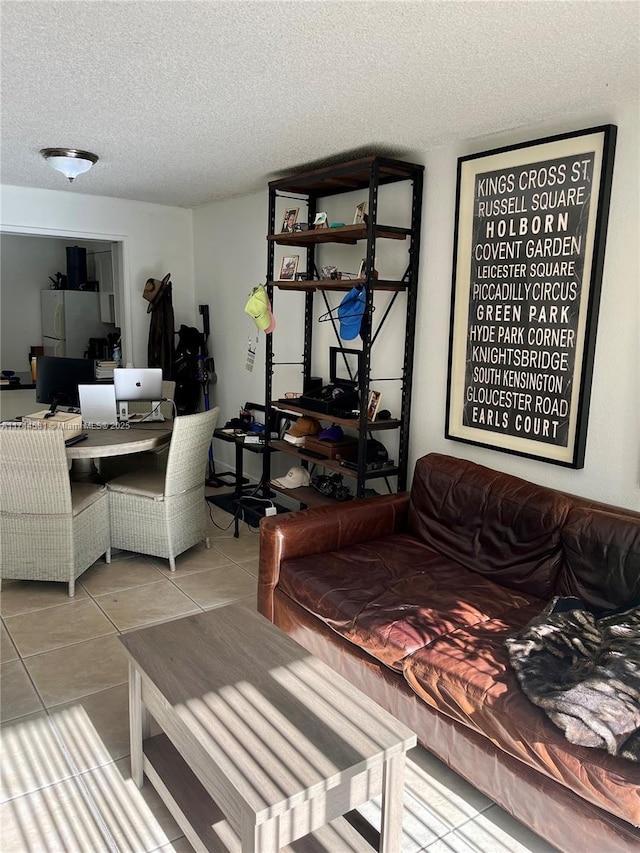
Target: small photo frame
[
  {"x": 373, "y": 405},
  {"x": 362, "y": 269},
  {"x": 289, "y": 267},
  {"x": 290, "y": 218},
  {"x": 360, "y": 216},
  {"x": 320, "y": 220}
]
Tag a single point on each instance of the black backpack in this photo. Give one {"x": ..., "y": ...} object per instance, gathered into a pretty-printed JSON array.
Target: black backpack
[{"x": 190, "y": 346}]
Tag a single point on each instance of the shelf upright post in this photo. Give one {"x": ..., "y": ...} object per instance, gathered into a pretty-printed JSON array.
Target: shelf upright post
[
  {"x": 410, "y": 326},
  {"x": 374, "y": 183},
  {"x": 308, "y": 297},
  {"x": 268, "y": 357}
]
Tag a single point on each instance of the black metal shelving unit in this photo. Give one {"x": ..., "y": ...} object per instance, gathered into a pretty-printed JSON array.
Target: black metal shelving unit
[{"x": 367, "y": 173}]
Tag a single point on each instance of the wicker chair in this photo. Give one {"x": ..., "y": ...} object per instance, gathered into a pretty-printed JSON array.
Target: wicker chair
[
  {"x": 163, "y": 513},
  {"x": 115, "y": 466},
  {"x": 50, "y": 529}
]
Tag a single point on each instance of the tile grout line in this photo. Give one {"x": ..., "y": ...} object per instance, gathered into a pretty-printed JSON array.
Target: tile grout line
[{"x": 85, "y": 793}]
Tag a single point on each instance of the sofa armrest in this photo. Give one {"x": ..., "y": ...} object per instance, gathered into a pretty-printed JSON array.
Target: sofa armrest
[{"x": 322, "y": 529}]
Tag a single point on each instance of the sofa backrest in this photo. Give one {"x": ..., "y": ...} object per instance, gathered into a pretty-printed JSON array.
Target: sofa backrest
[
  {"x": 489, "y": 522},
  {"x": 601, "y": 557}
]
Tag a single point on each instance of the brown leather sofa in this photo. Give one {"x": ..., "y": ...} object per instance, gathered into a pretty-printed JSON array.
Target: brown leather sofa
[{"x": 411, "y": 597}]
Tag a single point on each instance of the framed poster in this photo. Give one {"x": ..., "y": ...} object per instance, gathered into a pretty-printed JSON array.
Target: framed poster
[{"x": 531, "y": 224}]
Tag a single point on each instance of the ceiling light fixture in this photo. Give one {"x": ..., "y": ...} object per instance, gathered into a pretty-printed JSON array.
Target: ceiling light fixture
[{"x": 69, "y": 161}]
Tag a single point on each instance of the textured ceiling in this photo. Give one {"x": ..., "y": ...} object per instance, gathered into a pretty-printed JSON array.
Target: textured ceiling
[{"x": 189, "y": 102}]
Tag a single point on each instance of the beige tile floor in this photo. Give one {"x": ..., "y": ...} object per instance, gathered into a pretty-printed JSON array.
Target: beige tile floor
[{"x": 65, "y": 783}]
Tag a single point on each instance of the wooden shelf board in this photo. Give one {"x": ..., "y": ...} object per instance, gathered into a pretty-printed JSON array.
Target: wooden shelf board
[
  {"x": 306, "y": 495},
  {"x": 312, "y": 497},
  {"x": 291, "y": 406},
  {"x": 330, "y": 464},
  {"x": 343, "y": 177},
  {"x": 344, "y": 284},
  {"x": 346, "y": 234}
]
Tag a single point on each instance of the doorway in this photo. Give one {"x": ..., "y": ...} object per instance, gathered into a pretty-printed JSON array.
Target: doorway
[{"x": 106, "y": 263}]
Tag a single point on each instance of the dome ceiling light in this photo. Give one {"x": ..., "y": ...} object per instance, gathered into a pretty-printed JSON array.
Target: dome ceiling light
[{"x": 69, "y": 161}]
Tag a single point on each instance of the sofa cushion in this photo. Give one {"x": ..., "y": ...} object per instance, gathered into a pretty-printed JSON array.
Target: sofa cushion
[
  {"x": 393, "y": 595},
  {"x": 601, "y": 558},
  {"x": 492, "y": 523},
  {"x": 466, "y": 675}
]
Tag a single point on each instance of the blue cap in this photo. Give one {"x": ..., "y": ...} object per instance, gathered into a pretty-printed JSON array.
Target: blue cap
[{"x": 350, "y": 313}]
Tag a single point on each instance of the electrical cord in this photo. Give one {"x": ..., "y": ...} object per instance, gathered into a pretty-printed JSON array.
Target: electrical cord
[
  {"x": 150, "y": 414},
  {"x": 215, "y": 523},
  {"x": 238, "y": 513}
]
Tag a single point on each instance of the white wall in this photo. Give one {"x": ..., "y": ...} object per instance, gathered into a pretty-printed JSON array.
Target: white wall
[
  {"x": 25, "y": 266},
  {"x": 156, "y": 240},
  {"x": 230, "y": 258}
]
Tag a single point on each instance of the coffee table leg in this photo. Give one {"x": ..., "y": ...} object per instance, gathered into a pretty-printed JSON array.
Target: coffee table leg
[
  {"x": 392, "y": 804},
  {"x": 259, "y": 839},
  {"x": 138, "y": 724}
]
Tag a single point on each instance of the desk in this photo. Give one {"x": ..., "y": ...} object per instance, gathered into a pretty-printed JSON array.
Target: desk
[
  {"x": 133, "y": 438},
  {"x": 241, "y": 446}
]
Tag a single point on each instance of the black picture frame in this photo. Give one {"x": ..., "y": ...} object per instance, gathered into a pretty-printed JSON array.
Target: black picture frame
[{"x": 529, "y": 244}]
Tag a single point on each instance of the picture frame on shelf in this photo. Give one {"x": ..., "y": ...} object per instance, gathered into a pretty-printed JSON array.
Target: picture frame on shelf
[
  {"x": 360, "y": 215},
  {"x": 529, "y": 244},
  {"x": 362, "y": 269},
  {"x": 290, "y": 219},
  {"x": 289, "y": 267},
  {"x": 320, "y": 220},
  {"x": 373, "y": 404}
]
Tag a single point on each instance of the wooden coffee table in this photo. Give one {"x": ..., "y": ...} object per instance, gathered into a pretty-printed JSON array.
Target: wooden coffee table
[{"x": 261, "y": 743}]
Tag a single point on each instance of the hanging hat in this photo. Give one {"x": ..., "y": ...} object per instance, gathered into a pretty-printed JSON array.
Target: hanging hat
[
  {"x": 153, "y": 289},
  {"x": 350, "y": 313},
  {"x": 258, "y": 308}
]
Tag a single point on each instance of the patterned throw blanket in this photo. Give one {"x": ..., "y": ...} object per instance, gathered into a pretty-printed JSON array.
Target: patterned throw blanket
[{"x": 584, "y": 672}]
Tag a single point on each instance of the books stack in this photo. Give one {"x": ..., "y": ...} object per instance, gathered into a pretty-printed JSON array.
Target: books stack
[
  {"x": 296, "y": 440},
  {"x": 104, "y": 369}
]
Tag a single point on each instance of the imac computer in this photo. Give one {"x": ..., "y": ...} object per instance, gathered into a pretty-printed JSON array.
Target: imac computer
[
  {"x": 134, "y": 384},
  {"x": 58, "y": 379}
]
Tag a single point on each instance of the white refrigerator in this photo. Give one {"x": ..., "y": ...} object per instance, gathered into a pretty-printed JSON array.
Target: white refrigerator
[{"x": 69, "y": 319}]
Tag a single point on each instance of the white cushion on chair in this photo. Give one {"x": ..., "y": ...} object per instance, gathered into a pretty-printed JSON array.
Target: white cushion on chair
[
  {"x": 84, "y": 494},
  {"x": 148, "y": 482}
]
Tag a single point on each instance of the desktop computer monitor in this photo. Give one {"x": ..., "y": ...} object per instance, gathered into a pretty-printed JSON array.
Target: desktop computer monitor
[
  {"x": 134, "y": 384},
  {"x": 58, "y": 379}
]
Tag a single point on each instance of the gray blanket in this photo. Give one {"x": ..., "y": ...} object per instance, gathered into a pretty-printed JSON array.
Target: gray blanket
[{"x": 584, "y": 672}]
